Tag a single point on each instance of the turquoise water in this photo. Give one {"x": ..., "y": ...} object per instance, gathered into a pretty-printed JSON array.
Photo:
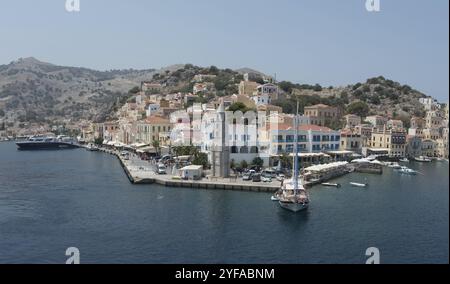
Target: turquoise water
[{"x": 52, "y": 200}]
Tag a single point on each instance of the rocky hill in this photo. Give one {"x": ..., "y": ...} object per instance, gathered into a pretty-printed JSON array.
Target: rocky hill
[
  {"x": 377, "y": 95},
  {"x": 35, "y": 91}
]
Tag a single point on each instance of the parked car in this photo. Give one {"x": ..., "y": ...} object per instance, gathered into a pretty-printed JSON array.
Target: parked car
[
  {"x": 269, "y": 173},
  {"x": 247, "y": 176},
  {"x": 165, "y": 158},
  {"x": 256, "y": 178},
  {"x": 161, "y": 169},
  {"x": 281, "y": 177},
  {"x": 266, "y": 178}
]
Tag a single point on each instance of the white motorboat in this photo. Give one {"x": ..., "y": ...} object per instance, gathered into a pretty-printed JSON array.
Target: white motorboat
[
  {"x": 274, "y": 198},
  {"x": 331, "y": 184},
  {"x": 356, "y": 184},
  {"x": 407, "y": 171},
  {"x": 394, "y": 166},
  {"x": 422, "y": 159},
  {"x": 404, "y": 160},
  {"x": 92, "y": 147}
]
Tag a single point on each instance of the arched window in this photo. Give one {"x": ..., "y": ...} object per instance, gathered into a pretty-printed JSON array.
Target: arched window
[
  {"x": 254, "y": 150},
  {"x": 244, "y": 150}
]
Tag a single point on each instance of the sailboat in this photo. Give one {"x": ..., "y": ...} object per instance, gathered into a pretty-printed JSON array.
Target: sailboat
[{"x": 294, "y": 196}]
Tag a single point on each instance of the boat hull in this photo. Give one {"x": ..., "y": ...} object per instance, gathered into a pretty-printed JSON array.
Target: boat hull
[
  {"x": 293, "y": 206},
  {"x": 29, "y": 146}
]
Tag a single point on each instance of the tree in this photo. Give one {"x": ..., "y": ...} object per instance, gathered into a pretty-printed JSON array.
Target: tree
[
  {"x": 232, "y": 164},
  {"x": 286, "y": 105},
  {"x": 213, "y": 70},
  {"x": 238, "y": 106},
  {"x": 286, "y": 161},
  {"x": 134, "y": 90},
  {"x": 244, "y": 164},
  {"x": 200, "y": 159},
  {"x": 258, "y": 162},
  {"x": 155, "y": 144},
  {"x": 317, "y": 88},
  {"x": 358, "y": 108},
  {"x": 286, "y": 86},
  {"x": 98, "y": 141},
  {"x": 375, "y": 99}
]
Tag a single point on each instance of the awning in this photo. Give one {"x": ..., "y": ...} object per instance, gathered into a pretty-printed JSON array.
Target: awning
[
  {"x": 147, "y": 150},
  {"x": 140, "y": 145},
  {"x": 119, "y": 144}
]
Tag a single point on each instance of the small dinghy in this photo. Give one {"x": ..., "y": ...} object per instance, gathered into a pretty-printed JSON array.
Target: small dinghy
[
  {"x": 359, "y": 184},
  {"x": 274, "y": 198}
]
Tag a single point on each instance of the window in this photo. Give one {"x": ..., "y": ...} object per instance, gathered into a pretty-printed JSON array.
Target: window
[{"x": 290, "y": 148}]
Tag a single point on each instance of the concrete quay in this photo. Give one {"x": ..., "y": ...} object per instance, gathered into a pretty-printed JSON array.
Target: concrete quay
[{"x": 141, "y": 172}]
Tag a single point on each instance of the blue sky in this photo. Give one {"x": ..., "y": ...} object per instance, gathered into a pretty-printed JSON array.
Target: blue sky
[{"x": 331, "y": 42}]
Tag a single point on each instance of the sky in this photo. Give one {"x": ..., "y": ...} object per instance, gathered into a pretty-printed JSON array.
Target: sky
[{"x": 330, "y": 42}]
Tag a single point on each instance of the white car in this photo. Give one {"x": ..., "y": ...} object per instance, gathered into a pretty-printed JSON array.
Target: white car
[
  {"x": 161, "y": 170},
  {"x": 266, "y": 179},
  {"x": 281, "y": 177}
]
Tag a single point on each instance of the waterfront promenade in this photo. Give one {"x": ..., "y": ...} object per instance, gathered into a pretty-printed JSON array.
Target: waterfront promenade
[{"x": 143, "y": 172}]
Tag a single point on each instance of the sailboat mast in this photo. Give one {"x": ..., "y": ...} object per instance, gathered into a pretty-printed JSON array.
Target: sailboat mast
[{"x": 296, "y": 122}]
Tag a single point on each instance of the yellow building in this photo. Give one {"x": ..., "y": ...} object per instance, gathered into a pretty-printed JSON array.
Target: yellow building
[
  {"x": 322, "y": 114},
  {"x": 154, "y": 128},
  {"x": 351, "y": 141},
  {"x": 394, "y": 141}
]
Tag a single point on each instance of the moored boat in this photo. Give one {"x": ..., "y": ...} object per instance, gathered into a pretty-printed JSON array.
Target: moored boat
[
  {"x": 331, "y": 184},
  {"x": 92, "y": 147},
  {"x": 356, "y": 184},
  {"x": 275, "y": 197},
  {"x": 422, "y": 159},
  {"x": 294, "y": 196},
  {"x": 47, "y": 143},
  {"x": 395, "y": 166}
]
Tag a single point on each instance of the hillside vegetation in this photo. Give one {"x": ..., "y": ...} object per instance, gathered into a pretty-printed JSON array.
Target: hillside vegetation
[{"x": 34, "y": 91}]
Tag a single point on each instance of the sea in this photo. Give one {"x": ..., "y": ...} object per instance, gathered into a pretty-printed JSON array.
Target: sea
[{"x": 54, "y": 200}]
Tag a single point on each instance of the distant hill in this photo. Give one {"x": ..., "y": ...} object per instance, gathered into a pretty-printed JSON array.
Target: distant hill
[{"x": 35, "y": 91}]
